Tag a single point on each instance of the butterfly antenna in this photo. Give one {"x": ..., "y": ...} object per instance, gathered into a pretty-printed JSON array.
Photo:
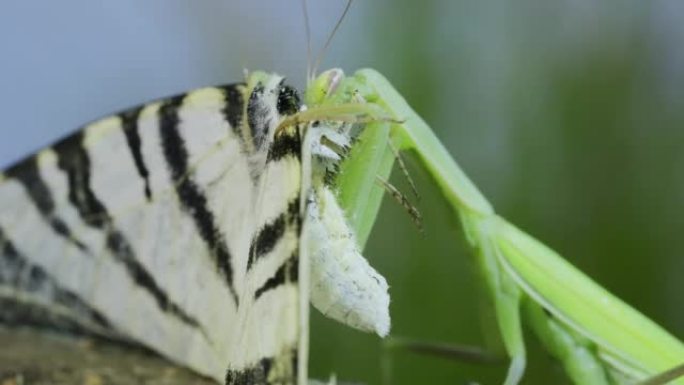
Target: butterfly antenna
[
  {"x": 307, "y": 28},
  {"x": 330, "y": 37}
]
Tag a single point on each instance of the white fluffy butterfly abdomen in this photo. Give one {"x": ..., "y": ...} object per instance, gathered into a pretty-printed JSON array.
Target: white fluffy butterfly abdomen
[{"x": 344, "y": 286}]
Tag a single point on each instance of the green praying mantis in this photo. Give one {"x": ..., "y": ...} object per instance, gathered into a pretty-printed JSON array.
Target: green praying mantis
[{"x": 597, "y": 338}]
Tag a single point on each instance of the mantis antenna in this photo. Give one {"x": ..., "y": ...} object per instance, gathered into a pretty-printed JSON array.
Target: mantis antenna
[
  {"x": 311, "y": 69},
  {"x": 307, "y": 31}
]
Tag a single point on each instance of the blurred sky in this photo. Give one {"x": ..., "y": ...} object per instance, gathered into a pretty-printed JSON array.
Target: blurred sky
[{"x": 569, "y": 115}]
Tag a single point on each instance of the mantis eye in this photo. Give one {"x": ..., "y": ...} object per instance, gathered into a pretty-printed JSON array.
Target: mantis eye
[{"x": 334, "y": 77}]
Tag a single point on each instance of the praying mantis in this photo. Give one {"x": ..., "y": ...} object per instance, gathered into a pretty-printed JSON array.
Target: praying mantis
[{"x": 597, "y": 338}]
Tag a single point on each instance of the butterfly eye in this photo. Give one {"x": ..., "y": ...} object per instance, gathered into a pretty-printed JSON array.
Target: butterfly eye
[{"x": 288, "y": 100}]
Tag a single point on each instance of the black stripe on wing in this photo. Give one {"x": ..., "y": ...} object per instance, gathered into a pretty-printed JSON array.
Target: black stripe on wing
[
  {"x": 234, "y": 107},
  {"x": 129, "y": 125},
  {"x": 192, "y": 198},
  {"x": 288, "y": 272},
  {"x": 269, "y": 235},
  {"x": 268, "y": 371},
  {"x": 74, "y": 161},
  {"x": 285, "y": 144},
  {"x": 26, "y": 173},
  {"x": 19, "y": 273}
]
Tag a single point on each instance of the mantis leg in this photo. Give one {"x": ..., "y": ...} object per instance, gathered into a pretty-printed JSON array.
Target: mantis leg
[{"x": 576, "y": 353}]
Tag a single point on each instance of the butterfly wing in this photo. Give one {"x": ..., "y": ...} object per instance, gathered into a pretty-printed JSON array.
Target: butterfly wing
[{"x": 174, "y": 225}]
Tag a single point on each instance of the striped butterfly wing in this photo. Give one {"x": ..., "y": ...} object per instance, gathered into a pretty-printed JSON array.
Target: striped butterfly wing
[{"x": 174, "y": 225}]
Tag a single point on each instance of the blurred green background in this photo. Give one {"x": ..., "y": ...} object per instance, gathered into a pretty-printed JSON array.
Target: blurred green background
[{"x": 568, "y": 114}]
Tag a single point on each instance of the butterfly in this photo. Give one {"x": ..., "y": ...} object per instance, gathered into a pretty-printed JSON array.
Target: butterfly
[{"x": 191, "y": 226}]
